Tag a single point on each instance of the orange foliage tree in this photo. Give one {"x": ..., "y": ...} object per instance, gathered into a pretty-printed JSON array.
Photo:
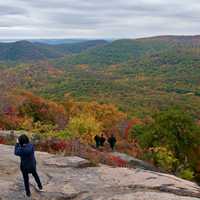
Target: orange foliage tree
[{"x": 43, "y": 110}]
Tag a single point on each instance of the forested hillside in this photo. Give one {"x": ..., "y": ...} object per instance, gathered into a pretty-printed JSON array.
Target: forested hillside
[
  {"x": 28, "y": 51},
  {"x": 137, "y": 75}
]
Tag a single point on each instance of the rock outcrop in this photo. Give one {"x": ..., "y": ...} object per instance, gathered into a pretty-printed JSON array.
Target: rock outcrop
[{"x": 75, "y": 178}]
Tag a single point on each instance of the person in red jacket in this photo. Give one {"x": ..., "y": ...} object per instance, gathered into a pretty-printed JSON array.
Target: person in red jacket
[{"x": 25, "y": 150}]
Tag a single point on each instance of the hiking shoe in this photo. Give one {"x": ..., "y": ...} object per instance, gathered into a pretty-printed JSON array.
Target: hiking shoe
[
  {"x": 40, "y": 189},
  {"x": 28, "y": 194}
]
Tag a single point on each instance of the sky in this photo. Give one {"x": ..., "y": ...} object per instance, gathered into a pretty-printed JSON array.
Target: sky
[{"x": 98, "y": 18}]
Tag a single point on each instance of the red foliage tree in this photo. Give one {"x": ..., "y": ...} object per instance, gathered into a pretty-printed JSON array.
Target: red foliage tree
[{"x": 130, "y": 124}]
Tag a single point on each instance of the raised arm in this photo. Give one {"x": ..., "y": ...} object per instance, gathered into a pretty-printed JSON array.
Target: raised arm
[{"x": 23, "y": 151}]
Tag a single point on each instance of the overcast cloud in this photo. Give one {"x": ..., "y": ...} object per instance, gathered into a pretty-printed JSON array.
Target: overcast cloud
[{"x": 98, "y": 18}]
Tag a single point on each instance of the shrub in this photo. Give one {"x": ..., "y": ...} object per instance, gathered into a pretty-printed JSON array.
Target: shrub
[
  {"x": 187, "y": 174},
  {"x": 164, "y": 159},
  {"x": 63, "y": 134},
  {"x": 54, "y": 145},
  {"x": 2, "y": 141},
  {"x": 117, "y": 162}
]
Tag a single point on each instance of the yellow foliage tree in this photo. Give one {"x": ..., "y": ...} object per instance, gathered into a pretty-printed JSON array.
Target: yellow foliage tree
[
  {"x": 85, "y": 127},
  {"x": 107, "y": 114}
]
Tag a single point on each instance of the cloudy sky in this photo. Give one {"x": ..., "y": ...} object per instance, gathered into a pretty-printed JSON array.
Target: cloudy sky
[{"x": 98, "y": 18}]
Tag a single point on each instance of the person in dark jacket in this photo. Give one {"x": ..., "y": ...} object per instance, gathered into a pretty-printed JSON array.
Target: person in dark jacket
[
  {"x": 102, "y": 140},
  {"x": 25, "y": 150},
  {"x": 97, "y": 140},
  {"x": 112, "y": 141}
]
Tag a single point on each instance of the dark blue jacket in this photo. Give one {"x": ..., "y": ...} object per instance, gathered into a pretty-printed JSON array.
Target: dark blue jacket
[{"x": 27, "y": 155}]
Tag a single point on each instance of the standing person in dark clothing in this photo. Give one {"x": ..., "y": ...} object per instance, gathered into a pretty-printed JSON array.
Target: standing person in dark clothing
[
  {"x": 97, "y": 140},
  {"x": 112, "y": 141},
  {"x": 102, "y": 140},
  {"x": 25, "y": 151}
]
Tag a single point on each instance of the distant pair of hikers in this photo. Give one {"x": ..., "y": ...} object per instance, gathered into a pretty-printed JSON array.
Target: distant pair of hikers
[
  {"x": 100, "y": 140},
  {"x": 25, "y": 150}
]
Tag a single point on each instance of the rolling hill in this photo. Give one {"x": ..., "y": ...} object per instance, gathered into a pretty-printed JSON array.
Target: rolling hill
[
  {"x": 28, "y": 51},
  {"x": 120, "y": 51}
]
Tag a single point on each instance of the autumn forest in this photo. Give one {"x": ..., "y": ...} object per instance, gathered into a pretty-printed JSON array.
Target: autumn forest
[{"x": 146, "y": 91}]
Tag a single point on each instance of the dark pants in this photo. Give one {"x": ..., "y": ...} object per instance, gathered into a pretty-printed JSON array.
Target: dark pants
[
  {"x": 97, "y": 145},
  {"x": 112, "y": 146},
  {"x": 25, "y": 174}
]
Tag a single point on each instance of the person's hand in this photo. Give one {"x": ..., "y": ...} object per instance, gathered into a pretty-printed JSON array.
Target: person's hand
[{"x": 17, "y": 141}]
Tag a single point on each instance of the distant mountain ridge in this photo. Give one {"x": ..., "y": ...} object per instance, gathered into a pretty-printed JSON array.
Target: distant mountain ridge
[
  {"x": 184, "y": 40},
  {"x": 100, "y": 50},
  {"x": 25, "y": 50}
]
